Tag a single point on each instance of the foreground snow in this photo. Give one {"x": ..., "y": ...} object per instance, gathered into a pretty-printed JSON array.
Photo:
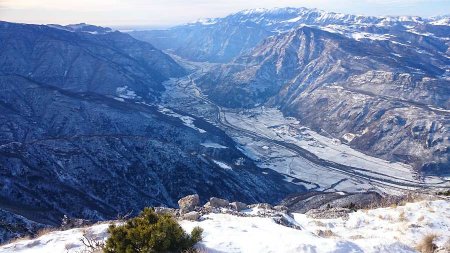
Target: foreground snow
[
  {"x": 58, "y": 241},
  {"x": 396, "y": 229},
  {"x": 381, "y": 230}
]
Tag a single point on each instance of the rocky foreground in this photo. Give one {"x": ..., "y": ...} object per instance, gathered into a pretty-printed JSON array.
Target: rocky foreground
[{"x": 238, "y": 227}]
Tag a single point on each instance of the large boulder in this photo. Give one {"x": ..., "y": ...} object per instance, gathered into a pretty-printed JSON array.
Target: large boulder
[
  {"x": 216, "y": 202},
  {"x": 188, "y": 203},
  {"x": 238, "y": 206},
  {"x": 192, "y": 216}
]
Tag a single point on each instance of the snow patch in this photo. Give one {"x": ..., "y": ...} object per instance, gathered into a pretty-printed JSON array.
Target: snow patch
[
  {"x": 348, "y": 137},
  {"x": 213, "y": 145},
  {"x": 223, "y": 165},
  {"x": 124, "y": 92},
  {"x": 187, "y": 121},
  {"x": 370, "y": 36}
]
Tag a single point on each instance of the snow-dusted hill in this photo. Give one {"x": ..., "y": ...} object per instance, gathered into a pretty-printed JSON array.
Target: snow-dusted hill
[{"x": 393, "y": 229}]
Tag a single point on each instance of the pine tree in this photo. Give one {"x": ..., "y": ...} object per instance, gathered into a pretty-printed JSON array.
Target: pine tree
[{"x": 151, "y": 232}]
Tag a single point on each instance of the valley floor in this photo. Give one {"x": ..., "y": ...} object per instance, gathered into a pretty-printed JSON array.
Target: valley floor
[{"x": 393, "y": 229}]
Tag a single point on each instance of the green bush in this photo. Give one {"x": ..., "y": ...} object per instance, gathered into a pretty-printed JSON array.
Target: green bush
[
  {"x": 151, "y": 232},
  {"x": 445, "y": 193}
]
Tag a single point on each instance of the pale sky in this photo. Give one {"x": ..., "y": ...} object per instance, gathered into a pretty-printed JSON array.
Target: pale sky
[{"x": 170, "y": 12}]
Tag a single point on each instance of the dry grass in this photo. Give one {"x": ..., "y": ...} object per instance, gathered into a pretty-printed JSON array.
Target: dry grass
[
  {"x": 402, "y": 217},
  {"x": 427, "y": 245}
]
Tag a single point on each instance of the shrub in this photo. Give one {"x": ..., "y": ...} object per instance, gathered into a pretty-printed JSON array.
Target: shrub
[
  {"x": 91, "y": 244},
  {"x": 444, "y": 193},
  {"x": 427, "y": 245},
  {"x": 151, "y": 232}
]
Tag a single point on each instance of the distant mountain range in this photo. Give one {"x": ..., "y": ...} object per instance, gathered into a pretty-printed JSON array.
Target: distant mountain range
[{"x": 222, "y": 39}]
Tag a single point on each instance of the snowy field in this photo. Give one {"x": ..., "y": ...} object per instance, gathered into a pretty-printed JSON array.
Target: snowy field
[
  {"x": 395, "y": 229},
  {"x": 271, "y": 124}
]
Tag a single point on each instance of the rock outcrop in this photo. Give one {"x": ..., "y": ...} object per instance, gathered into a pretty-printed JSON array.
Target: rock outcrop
[
  {"x": 217, "y": 202},
  {"x": 238, "y": 206},
  {"x": 188, "y": 203}
]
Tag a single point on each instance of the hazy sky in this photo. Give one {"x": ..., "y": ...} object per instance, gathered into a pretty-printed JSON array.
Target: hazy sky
[{"x": 169, "y": 12}]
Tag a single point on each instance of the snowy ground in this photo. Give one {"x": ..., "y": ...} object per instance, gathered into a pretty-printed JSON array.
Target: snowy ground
[
  {"x": 394, "y": 229},
  {"x": 380, "y": 230},
  {"x": 58, "y": 242}
]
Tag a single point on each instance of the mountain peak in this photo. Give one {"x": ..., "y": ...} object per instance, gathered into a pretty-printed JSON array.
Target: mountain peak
[{"x": 277, "y": 10}]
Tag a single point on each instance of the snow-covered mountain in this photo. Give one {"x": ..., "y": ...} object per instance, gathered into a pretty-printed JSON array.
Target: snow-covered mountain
[{"x": 222, "y": 39}]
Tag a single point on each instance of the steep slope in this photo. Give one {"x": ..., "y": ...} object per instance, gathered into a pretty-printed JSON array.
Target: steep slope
[
  {"x": 382, "y": 96},
  {"x": 78, "y": 137},
  {"x": 223, "y": 39}
]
